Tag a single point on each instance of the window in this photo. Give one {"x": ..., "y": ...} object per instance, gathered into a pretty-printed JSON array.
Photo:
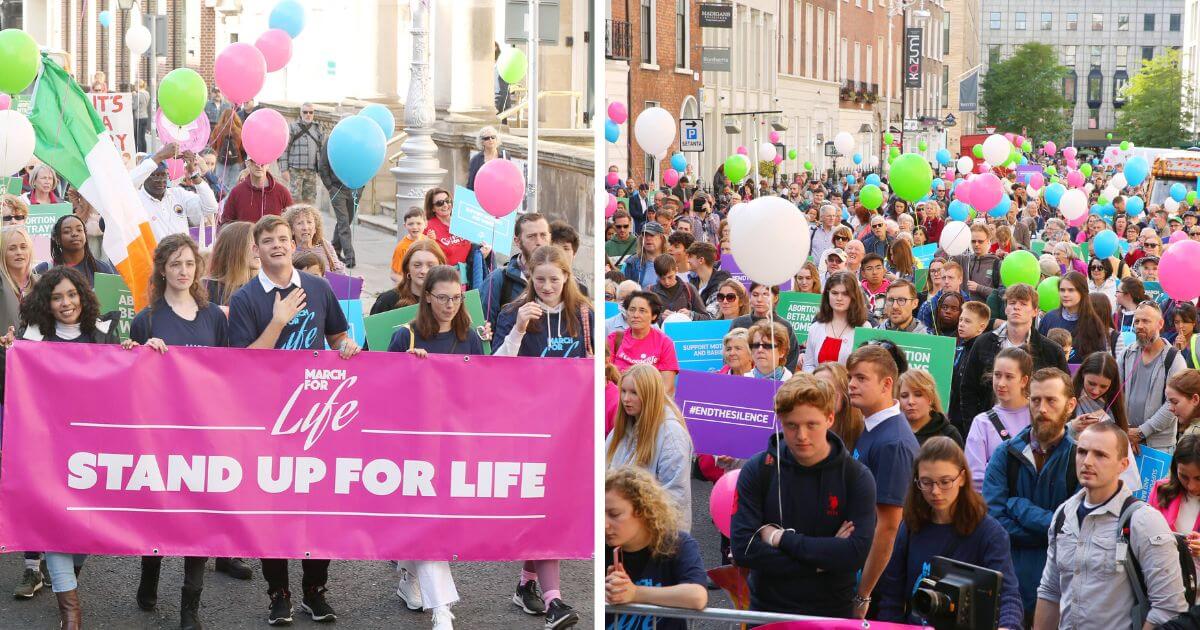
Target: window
[
  {"x": 945, "y": 85},
  {"x": 1148, "y": 22},
  {"x": 820, "y": 44},
  {"x": 993, "y": 54},
  {"x": 1176, "y": 20},
  {"x": 945, "y": 32},
  {"x": 1122, "y": 57},
  {"x": 858, "y": 73},
  {"x": 1123, "y": 22},
  {"x": 870, "y": 63},
  {"x": 681, "y": 33},
  {"x": 1120, "y": 80},
  {"x": 1068, "y": 87},
  {"x": 1097, "y": 53},
  {"x": 1047, "y": 21},
  {"x": 1019, "y": 21},
  {"x": 1147, "y": 53},
  {"x": 843, "y": 53},
  {"x": 1097, "y": 21},
  {"x": 1093, "y": 118},
  {"x": 1069, "y": 56},
  {"x": 647, "y": 32},
  {"x": 808, "y": 41},
  {"x": 1072, "y": 21},
  {"x": 994, "y": 20},
  {"x": 1095, "y": 87}
]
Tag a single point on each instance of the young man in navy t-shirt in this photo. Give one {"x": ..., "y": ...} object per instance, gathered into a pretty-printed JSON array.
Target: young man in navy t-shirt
[
  {"x": 289, "y": 310},
  {"x": 887, "y": 447}
]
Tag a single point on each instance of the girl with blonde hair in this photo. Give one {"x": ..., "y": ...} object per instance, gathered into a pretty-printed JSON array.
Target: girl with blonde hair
[
  {"x": 233, "y": 262},
  {"x": 309, "y": 235},
  {"x": 921, "y": 405},
  {"x": 16, "y": 273},
  {"x": 553, "y": 295}
]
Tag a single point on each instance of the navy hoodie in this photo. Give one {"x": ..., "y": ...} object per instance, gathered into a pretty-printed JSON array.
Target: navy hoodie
[
  {"x": 548, "y": 337},
  {"x": 812, "y": 572}
]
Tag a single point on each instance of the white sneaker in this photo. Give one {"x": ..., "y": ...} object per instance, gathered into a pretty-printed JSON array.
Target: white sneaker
[
  {"x": 442, "y": 618},
  {"x": 409, "y": 590}
]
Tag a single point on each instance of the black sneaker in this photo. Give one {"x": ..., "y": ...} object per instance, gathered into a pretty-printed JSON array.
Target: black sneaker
[
  {"x": 31, "y": 583},
  {"x": 235, "y": 568},
  {"x": 315, "y": 605},
  {"x": 529, "y": 598},
  {"x": 560, "y": 615},
  {"x": 281, "y": 609}
]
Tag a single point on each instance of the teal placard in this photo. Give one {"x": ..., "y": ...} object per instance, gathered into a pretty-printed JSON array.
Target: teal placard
[
  {"x": 921, "y": 278},
  {"x": 10, "y": 186},
  {"x": 42, "y": 217},
  {"x": 114, "y": 295},
  {"x": 799, "y": 309},
  {"x": 927, "y": 352},
  {"x": 1037, "y": 247}
]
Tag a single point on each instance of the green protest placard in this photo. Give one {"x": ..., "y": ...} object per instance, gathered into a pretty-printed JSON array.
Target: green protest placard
[
  {"x": 10, "y": 186},
  {"x": 381, "y": 327},
  {"x": 921, "y": 277},
  {"x": 1038, "y": 247},
  {"x": 42, "y": 217},
  {"x": 927, "y": 352},
  {"x": 115, "y": 295},
  {"x": 799, "y": 309},
  {"x": 1083, "y": 252}
]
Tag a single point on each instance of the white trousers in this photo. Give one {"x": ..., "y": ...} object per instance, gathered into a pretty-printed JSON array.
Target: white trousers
[{"x": 437, "y": 584}]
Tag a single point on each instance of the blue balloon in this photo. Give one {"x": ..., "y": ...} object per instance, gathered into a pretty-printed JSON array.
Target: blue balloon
[
  {"x": 288, "y": 15},
  {"x": 612, "y": 131},
  {"x": 382, "y": 117},
  {"x": 1134, "y": 206},
  {"x": 1136, "y": 170},
  {"x": 1107, "y": 211},
  {"x": 1095, "y": 161},
  {"x": 1178, "y": 191},
  {"x": 958, "y": 210},
  {"x": 845, "y": 214},
  {"x": 1001, "y": 208},
  {"x": 105, "y": 19},
  {"x": 858, "y": 158},
  {"x": 1104, "y": 244},
  {"x": 1054, "y": 193},
  {"x": 1095, "y": 209},
  {"x": 937, "y": 181},
  {"x": 678, "y": 162},
  {"x": 1024, "y": 160},
  {"x": 850, "y": 180},
  {"x": 1124, "y": 246},
  {"x": 356, "y": 150},
  {"x": 873, "y": 179},
  {"x": 943, "y": 157}
]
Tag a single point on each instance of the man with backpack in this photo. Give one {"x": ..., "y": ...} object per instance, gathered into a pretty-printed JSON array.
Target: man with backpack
[
  {"x": 1112, "y": 561},
  {"x": 1145, "y": 367},
  {"x": 1031, "y": 474}
]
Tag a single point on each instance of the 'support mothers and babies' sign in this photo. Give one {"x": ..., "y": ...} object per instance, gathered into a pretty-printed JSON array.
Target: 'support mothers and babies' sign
[{"x": 290, "y": 454}]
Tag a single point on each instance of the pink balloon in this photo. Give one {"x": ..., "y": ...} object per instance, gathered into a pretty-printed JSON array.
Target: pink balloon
[
  {"x": 1071, "y": 162},
  {"x": 276, "y": 48},
  {"x": 742, "y": 151},
  {"x": 1008, "y": 136},
  {"x": 965, "y": 191},
  {"x": 1177, "y": 237},
  {"x": 612, "y": 179},
  {"x": 1179, "y": 270},
  {"x": 1079, "y": 220},
  {"x": 1036, "y": 181},
  {"x": 175, "y": 168},
  {"x": 1075, "y": 179},
  {"x": 264, "y": 135},
  {"x": 1050, "y": 148},
  {"x": 617, "y": 112},
  {"x": 610, "y": 208},
  {"x": 778, "y": 159},
  {"x": 1018, "y": 141},
  {"x": 1068, "y": 152},
  {"x": 774, "y": 136},
  {"x": 191, "y": 137},
  {"x": 240, "y": 71},
  {"x": 499, "y": 187},
  {"x": 5, "y": 101},
  {"x": 670, "y": 177},
  {"x": 988, "y": 191},
  {"x": 723, "y": 501}
]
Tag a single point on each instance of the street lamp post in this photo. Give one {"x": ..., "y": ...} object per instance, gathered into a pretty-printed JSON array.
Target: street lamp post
[{"x": 128, "y": 5}]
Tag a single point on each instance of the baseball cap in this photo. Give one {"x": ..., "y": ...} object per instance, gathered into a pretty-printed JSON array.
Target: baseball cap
[{"x": 654, "y": 227}]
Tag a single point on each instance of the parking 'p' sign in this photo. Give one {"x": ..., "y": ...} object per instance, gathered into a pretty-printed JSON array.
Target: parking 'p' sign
[{"x": 691, "y": 134}]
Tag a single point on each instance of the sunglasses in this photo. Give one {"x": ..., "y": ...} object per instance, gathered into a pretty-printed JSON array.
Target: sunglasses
[
  {"x": 727, "y": 297},
  {"x": 841, "y": 238},
  {"x": 307, "y": 111},
  {"x": 1095, "y": 268},
  {"x": 443, "y": 202},
  {"x": 488, "y": 138},
  {"x": 1152, "y": 245},
  {"x": 621, "y": 226},
  {"x": 761, "y": 346}
]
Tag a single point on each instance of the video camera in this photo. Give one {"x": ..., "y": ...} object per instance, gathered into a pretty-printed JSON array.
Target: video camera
[{"x": 958, "y": 596}]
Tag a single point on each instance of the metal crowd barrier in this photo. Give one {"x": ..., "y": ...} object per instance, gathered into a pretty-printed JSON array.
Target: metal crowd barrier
[{"x": 718, "y": 617}]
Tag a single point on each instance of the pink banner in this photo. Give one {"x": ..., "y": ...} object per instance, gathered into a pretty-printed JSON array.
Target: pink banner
[{"x": 266, "y": 453}]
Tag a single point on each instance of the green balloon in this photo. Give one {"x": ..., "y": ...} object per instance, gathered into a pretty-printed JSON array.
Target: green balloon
[
  {"x": 977, "y": 151},
  {"x": 887, "y": 137},
  {"x": 1125, "y": 145},
  {"x": 1048, "y": 294},
  {"x": 911, "y": 177},
  {"x": 21, "y": 58},
  {"x": 1052, "y": 170},
  {"x": 1086, "y": 169},
  {"x": 921, "y": 145},
  {"x": 1053, "y": 180},
  {"x": 182, "y": 94},
  {"x": 808, "y": 166},
  {"x": 871, "y": 197},
  {"x": 894, "y": 151},
  {"x": 791, "y": 154},
  {"x": 971, "y": 214},
  {"x": 1191, "y": 197},
  {"x": 1109, "y": 136},
  {"x": 736, "y": 168},
  {"x": 1027, "y": 146},
  {"x": 1102, "y": 200},
  {"x": 1020, "y": 267},
  {"x": 512, "y": 65}
]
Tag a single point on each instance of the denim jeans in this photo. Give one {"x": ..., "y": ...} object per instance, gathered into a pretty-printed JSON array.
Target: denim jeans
[{"x": 62, "y": 570}]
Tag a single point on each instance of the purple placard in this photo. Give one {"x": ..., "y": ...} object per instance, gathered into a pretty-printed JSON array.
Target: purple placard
[
  {"x": 730, "y": 265},
  {"x": 727, "y": 415},
  {"x": 1026, "y": 170},
  {"x": 209, "y": 235},
  {"x": 345, "y": 287},
  {"x": 1073, "y": 367}
]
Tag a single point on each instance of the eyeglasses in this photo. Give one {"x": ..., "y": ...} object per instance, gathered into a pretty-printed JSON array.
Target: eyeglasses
[
  {"x": 621, "y": 226},
  {"x": 486, "y": 138},
  {"x": 1096, "y": 268},
  {"x": 761, "y": 346},
  {"x": 307, "y": 111},
  {"x": 727, "y": 297},
  {"x": 1152, "y": 245},
  {"x": 446, "y": 300},
  {"x": 944, "y": 483},
  {"x": 841, "y": 239},
  {"x": 897, "y": 300},
  {"x": 610, "y": 297},
  {"x": 441, "y": 202}
]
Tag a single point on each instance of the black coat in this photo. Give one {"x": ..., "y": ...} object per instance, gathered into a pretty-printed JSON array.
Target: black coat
[{"x": 976, "y": 384}]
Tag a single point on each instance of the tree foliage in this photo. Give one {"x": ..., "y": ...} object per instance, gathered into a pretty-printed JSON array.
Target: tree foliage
[
  {"x": 1023, "y": 94},
  {"x": 1159, "y": 104}
]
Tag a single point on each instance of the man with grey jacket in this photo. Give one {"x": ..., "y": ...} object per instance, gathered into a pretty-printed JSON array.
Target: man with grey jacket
[
  {"x": 1145, "y": 367},
  {"x": 1089, "y": 580},
  {"x": 981, "y": 268}
]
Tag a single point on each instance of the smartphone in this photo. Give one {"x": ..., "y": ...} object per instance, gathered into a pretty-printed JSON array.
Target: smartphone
[{"x": 617, "y": 564}]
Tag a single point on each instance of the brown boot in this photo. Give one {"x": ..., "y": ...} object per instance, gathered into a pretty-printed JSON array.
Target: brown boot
[{"x": 70, "y": 615}]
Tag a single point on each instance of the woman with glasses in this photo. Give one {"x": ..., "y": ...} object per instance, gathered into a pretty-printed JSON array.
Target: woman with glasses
[
  {"x": 439, "y": 206},
  {"x": 15, "y": 210},
  {"x": 732, "y": 301},
  {"x": 1101, "y": 279},
  {"x": 488, "y": 144},
  {"x": 769, "y": 350},
  {"x": 843, "y": 308},
  {"x": 945, "y": 516}
]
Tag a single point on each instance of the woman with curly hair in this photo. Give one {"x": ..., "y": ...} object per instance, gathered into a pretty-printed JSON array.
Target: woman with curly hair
[
  {"x": 69, "y": 247},
  {"x": 309, "y": 234},
  {"x": 648, "y": 559}
]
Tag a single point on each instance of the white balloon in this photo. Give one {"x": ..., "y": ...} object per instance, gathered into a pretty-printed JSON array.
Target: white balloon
[
  {"x": 654, "y": 131},
  {"x": 1073, "y": 204},
  {"x": 956, "y": 238},
  {"x": 1170, "y": 205},
  {"x": 17, "y": 141},
  {"x": 844, "y": 142},
  {"x": 770, "y": 239},
  {"x": 766, "y": 151},
  {"x": 137, "y": 39},
  {"x": 996, "y": 149},
  {"x": 1110, "y": 193},
  {"x": 965, "y": 164},
  {"x": 1089, "y": 187},
  {"x": 1118, "y": 181}
]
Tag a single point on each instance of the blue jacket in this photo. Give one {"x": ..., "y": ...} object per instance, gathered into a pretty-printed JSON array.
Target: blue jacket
[
  {"x": 1027, "y": 510},
  {"x": 495, "y": 295},
  {"x": 635, "y": 267}
]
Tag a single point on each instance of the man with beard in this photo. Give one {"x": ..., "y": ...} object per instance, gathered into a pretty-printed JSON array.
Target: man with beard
[
  {"x": 1030, "y": 475},
  {"x": 1145, "y": 367},
  {"x": 899, "y": 304}
]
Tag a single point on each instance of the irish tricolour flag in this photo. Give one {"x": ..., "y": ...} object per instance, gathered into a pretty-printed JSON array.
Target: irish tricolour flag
[{"x": 72, "y": 139}]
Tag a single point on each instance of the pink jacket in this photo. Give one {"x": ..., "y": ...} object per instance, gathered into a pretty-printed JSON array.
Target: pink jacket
[{"x": 1171, "y": 512}]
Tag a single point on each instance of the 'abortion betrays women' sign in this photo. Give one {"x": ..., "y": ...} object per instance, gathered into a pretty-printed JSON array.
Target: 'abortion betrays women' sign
[{"x": 263, "y": 453}]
